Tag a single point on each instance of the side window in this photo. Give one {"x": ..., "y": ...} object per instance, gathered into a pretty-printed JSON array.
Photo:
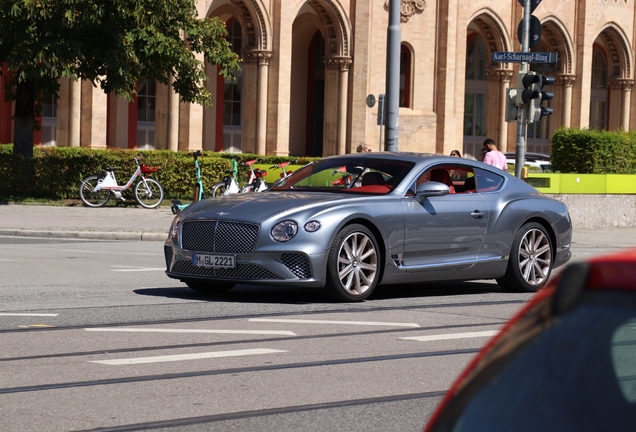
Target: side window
[{"x": 488, "y": 181}]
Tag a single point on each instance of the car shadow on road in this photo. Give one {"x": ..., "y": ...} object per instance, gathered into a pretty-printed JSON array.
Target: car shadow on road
[{"x": 288, "y": 295}]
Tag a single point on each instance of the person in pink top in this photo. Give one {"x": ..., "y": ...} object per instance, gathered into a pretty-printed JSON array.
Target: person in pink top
[{"x": 493, "y": 156}]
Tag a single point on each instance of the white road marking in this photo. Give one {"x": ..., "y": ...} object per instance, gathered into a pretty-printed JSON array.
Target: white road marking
[
  {"x": 363, "y": 323},
  {"x": 450, "y": 336},
  {"x": 137, "y": 269},
  {"x": 29, "y": 314},
  {"x": 158, "y": 330},
  {"x": 180, "y": 357}
]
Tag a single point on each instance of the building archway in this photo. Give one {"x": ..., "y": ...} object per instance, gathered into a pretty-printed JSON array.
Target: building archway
[
  {"x": 319, "y": 80},
  {"x": 612, "y": 80},
  {"x": 485, "y": 84}
]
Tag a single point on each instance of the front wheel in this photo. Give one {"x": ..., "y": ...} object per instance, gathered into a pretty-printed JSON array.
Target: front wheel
[
  {"x": 530, "y": 260},
  {"x": 149, "y": 194},
  {"x": 89, "y": 196},
  {"x": 354, "y": 263}
]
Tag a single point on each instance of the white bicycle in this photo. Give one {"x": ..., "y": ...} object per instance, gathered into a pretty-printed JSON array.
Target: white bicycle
[{"x": 96, "y": 190}]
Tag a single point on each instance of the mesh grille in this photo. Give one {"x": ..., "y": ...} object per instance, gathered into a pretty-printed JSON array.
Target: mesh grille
[
  {"x": 167, "y": 251},
  {"x": 242, "y": 271},
  {"x": 297, "y": 263},
  {"x": 219, "y": 236}
]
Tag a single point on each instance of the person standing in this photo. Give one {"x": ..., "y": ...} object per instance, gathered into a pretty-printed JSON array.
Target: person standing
[
  {"x": 455, "y": 153},
  {"x": 493, "y": 156}
]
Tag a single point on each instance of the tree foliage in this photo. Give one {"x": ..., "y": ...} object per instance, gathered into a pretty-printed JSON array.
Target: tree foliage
[{"x": 111, "y": 43}]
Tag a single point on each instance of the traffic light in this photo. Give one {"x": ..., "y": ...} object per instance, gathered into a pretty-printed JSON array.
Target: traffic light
[
  {"x": 512, "y": 110},
  {"x": 530, "y": 92},
  {"x": 535, "y": 110}
]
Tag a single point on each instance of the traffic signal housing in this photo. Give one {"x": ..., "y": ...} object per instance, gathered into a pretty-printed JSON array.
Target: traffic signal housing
[
  {"x": 530, "y": 92},
  {"x": 512, "y": 110},
  {"x": 535, "y": 110}
]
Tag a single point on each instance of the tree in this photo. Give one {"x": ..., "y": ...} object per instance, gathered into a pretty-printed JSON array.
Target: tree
[{"x": 112, "y": 43}]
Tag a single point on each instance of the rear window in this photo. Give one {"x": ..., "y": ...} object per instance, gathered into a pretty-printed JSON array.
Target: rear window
[{"x": 578, "y": 375}]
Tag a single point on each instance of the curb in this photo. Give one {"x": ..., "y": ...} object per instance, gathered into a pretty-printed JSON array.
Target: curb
[{"x": 86, "y": 235}]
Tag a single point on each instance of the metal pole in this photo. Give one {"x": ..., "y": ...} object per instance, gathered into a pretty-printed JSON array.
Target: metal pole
[
  {"x": 393, "y": 77},
  {"x": 520, "y": 158}
]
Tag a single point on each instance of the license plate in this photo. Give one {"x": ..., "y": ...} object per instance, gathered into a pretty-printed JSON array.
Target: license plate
[{"x": 214, "y": 261}]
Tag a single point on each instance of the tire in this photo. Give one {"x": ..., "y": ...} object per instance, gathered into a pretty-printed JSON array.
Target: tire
[
  {"x": 150, "y": 197},
  {"x": 208, "y": 287},
  {"x": 247, "y": 188},
  {"x": 353, "y": 264},
  {"x": 218, "y": 189},
  {"x": 90, "y": 198},
  {"x": 530, "y": 261},
  {"x": 195, "y": 192}
]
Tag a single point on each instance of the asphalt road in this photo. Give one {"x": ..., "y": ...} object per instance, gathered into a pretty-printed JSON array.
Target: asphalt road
[{"x": 96, "y": 337}]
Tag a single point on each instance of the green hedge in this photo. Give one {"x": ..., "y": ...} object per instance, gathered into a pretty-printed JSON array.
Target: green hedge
[
  {"x": 56, "y": 172},
  {"x": 593, "y": 152}
]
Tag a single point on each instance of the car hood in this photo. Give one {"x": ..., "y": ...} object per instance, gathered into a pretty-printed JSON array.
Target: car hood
[{"x": 259, "y": 206}]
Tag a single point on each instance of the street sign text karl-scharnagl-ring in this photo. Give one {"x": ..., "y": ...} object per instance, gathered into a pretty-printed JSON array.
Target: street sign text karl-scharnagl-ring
[{"x": 524, "y": 57}]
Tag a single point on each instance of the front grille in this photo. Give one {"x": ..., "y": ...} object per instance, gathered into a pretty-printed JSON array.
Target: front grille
[
  {"x": 167, "y": 251},
  {"x": 219, "y": 236},
  {"x": 242, "y": 271},
  {"x": 297, "y": 263}
]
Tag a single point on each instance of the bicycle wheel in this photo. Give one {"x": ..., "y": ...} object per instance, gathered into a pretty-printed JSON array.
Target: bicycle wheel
[
  {"x": 247, "y": 188},
  {"x": 89, "y": 196},
  {"x": 150, "y": 194},
  {"x": 218, "y": 189}
]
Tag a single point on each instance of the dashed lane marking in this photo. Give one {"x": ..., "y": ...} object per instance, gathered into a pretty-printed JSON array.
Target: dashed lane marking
[
  {"x": 361, "y": 323},
  {"x": 181, "y": 357},
  {"x": 158, "y": 330},
  {"x": 450, "y": 336},
  {"x": 29, "y": 314}
]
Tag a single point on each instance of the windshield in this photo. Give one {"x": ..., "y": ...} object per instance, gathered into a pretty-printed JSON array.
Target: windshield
[{"x": 363, "y": 175}]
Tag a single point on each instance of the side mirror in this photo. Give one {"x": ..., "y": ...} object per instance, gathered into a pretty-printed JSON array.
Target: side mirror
[{"x": 431, "y": 189}]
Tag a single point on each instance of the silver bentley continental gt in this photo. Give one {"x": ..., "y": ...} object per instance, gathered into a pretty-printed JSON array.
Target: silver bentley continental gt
[{"x": 348, "y": 223}]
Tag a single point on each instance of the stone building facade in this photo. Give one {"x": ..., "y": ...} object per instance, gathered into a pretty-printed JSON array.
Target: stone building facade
[{"x": 308, "y": 66}]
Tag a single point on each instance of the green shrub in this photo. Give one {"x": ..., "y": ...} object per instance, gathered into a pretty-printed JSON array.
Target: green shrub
[
  {"x": 55, "y": 172},
  {"x": 593, "y": 152}
]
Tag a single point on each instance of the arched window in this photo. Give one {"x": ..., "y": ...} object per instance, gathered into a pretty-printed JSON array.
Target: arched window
[
  {"x": 49, "y": 120},
  {"x": 233, "y": 96},
  {"x": 598, "y": 97},
  {"x": 405, "y": 77},
  {"x": 475, "y": 97},
  {"x": 146, "y": 102}
]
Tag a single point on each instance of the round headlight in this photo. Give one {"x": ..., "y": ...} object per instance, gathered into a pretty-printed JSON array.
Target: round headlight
[
  {"x": 312, "y": 226},
  {"x": 284, "y": 231}
]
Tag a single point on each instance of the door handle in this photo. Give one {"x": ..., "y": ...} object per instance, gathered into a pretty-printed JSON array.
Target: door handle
[{"x": 477, "y": 214}]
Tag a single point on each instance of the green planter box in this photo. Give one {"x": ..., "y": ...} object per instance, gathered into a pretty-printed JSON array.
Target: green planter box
[{"x": 593, "y": 184}]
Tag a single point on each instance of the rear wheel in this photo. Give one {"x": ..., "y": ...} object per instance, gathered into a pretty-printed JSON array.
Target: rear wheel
[
  {"x": 196, "y": 192},
  {"x": 354, "y": 263},
  {"x": 150, "y": 194},
  {"x": 530, "y": 260},
  {"x": 89, "y": 196},
  {"x": 209, "y": 287}
]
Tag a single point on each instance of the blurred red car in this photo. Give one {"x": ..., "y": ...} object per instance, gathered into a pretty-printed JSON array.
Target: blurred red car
[{"x": 566, "y": 362}]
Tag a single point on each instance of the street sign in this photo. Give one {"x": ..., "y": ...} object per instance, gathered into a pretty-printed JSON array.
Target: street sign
[
  {"x": 370, "y": 101},
  {"x": 533, "y": 4},
  {"x": 535, "y": 32},
  {"x": 524, "y": 57}
]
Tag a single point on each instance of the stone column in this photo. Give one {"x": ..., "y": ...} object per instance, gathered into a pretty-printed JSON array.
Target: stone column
[
  {"x": 342, "y": 65},
  {"x": 75, "y": 107},
  {"x": 173, "y": 118},
  {"x": 567, "y": 81},
  {"x": 625, "y": 88},
  {"x": 499, "y": 82},
  {"x": 93, "y": 117},
  {"x": 262, "y": 58}
]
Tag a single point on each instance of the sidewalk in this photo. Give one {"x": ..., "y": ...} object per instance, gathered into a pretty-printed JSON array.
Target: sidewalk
[
  {"x": 105, "y": 223},
  {"x": 135, "y": 223}
]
